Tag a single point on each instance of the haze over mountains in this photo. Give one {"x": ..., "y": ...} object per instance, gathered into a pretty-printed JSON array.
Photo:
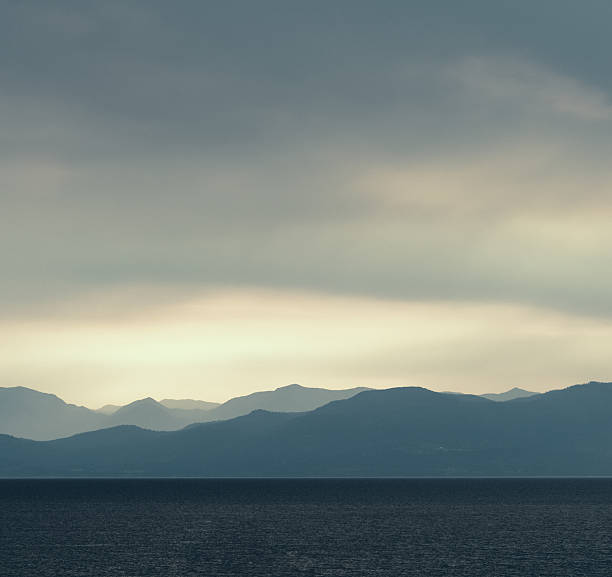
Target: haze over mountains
[
  {"x": 40, "y": 416},
  {"x": 510, "y": 395},
  {"x": 188, "y": 404},
  {"x": 402, "y": 431},
  {"x": 35, "y": 415}
]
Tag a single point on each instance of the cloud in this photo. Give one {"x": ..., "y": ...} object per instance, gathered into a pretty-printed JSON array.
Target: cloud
[
  {"x": 530, "y": 87},
  {"x": 402, "y": 152}
]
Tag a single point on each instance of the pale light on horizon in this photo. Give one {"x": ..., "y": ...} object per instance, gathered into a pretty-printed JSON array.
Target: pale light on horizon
[
  {"x": 331, "y": 197},
  {"x": 229, "y": 342}
]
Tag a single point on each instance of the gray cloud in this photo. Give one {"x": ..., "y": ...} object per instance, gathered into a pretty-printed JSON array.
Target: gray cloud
[{"x": 398, "y": 150}]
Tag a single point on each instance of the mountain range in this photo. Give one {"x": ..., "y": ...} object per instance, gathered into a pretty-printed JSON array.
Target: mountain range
[
  {"x": 407, "y": 431},
  {"x": 41, "y": 416},
  {"x": 510, "y": 395}
]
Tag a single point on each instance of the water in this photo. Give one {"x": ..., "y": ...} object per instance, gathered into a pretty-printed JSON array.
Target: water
[{"x": 425, "y": 528}]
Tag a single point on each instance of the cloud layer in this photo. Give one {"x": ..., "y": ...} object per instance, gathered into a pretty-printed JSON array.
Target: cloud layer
[{"x": 400, "y": 153}]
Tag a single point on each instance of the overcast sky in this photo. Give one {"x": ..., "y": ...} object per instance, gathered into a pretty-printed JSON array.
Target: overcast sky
[{"x": 202, "y": 199}]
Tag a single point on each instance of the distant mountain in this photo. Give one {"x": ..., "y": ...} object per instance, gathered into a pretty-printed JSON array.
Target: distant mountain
[
  {"x": 291, "y": 398},
  {"x": 33, "y": 415},
  {"x": 510, "y": 395},
  {"x": 189, "y": 404},
  {"x": 148, "y": 414},
  {"x": 186, "y": 404},
  {"x": 395, "y": 432},
  {"x": 108, "y": 409}
]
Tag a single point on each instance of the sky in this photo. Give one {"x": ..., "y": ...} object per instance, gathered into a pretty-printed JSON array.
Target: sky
[{"x": 204, "y": 199}]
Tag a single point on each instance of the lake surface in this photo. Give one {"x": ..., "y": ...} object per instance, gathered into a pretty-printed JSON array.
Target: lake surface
[{"x": 425, "y": 528}]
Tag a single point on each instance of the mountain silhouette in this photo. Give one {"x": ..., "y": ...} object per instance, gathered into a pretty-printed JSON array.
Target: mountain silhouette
[
  {"x": 394, "y": 432},
  {"x": 108, "y": 409},
  {"x": 291, "y": 398},
  {"x": 510, "y": 395},
  {"x": 148, "y": 414},
  {"x": 189, "y": 404},
  {"x": 33, "y": 415}
]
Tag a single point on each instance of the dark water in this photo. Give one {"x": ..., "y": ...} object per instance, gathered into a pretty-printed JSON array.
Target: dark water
[{"x": 169, "y": 528}]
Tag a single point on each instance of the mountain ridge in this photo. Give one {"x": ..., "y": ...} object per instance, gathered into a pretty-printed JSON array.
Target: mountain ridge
[
  {"x": 28, "y": 413},
  {"x": 403, "y": 431},
  {"x": 510, "y": 395}
]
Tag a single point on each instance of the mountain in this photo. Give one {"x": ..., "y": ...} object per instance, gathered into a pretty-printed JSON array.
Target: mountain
[
  {"x": 148, "y": 414},
  {"x": 108, "y": 409},
  {"x": 189, "y": 404},
  {"x": 172, "y": 414},
  {"x": 395, "y": 432},
  {"x": 186, "y": 404},
  {"x": 33, "y": 415},
  {"x": 510, "y": 395},
  {"x": 291, "y": 398}
]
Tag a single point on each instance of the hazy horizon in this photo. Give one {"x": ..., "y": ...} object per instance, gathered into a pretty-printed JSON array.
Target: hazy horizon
[
  {"x": 289, "y": 385},
  {"x": 203, "y": 200}
]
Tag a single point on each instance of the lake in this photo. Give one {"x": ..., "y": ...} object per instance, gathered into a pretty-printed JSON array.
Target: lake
[{"x": 332, "y": 527}]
